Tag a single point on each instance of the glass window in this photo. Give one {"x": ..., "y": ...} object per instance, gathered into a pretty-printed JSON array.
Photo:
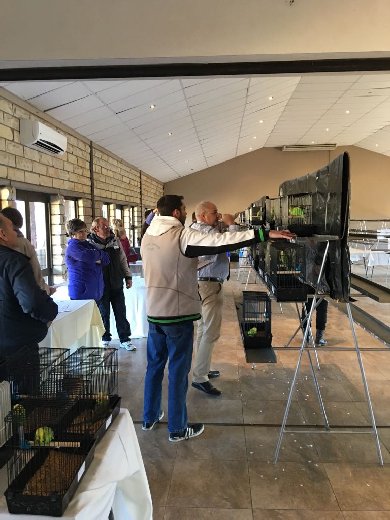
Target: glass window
[
  {"x": 119, "y": 213},
  {"x": 70, "y": 209},
  {"x": 105, "y": 211},
  {"x": 38, "y": 231},
  {"x": 21, "y": 206}
]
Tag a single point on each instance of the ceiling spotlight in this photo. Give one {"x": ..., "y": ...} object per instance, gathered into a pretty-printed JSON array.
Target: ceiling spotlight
[
  {"x": 169, "y": 133},
  {"x": 261, "y": 121},
  {"x": 377, "y": 145},
  {"x": 250, "y": 149},
  {"x": 270, "y": 98},
  {"x": 326, "y": 129},
  {"x": 312, "y": 142},
  {"x": 347, "y": 111},
  {"x": 152, "y": 107},
  {"x": 254, "y": 137},
  {"x": 179, "y": 149}
]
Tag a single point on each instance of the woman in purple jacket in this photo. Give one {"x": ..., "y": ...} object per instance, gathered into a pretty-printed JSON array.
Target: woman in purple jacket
[{"x": 84, "y": 263}]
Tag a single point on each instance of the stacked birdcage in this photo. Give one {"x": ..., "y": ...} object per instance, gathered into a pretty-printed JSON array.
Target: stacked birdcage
[
  {"x": 27, "y": 369},
  {"x": 300, "y": 215},
  {"x": 259, "y": 258},
  {"x": 284, "y": 271},
  {"x": 54, "y": 429},
  {"x": 89, "y": 376},
  {"x": 256, "y": 320}
]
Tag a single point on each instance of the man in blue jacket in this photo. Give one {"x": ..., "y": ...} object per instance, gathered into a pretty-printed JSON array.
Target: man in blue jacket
[{"x": 26, "y": 311}]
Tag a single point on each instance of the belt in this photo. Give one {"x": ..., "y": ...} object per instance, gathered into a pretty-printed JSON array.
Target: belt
[{"x": 210, "y": 279}]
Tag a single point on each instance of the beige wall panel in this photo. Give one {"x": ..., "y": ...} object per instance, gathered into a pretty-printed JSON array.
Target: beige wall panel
[
  {"x": 153, "y": 30},
  {"x": 233, "y": 185}
]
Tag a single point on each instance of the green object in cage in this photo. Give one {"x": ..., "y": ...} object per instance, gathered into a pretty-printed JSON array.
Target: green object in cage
[{"x": 252, "y": 331}]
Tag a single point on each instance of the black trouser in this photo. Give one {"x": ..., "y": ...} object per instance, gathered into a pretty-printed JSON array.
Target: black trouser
[
  {"x": 117, "y": 299},
  {"x": 321, "y": 313}
]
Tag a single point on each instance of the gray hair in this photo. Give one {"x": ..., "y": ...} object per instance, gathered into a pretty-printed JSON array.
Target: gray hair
[
  {"x": 96, "y": 222},
  {"x": 202, "y": 207}
]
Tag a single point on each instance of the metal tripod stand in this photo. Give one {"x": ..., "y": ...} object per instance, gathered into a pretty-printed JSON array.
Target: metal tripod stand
[{"x": 305, "y": 347}]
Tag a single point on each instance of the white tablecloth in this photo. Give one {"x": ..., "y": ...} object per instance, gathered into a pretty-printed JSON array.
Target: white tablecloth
[
  {"x": 77, "y": 324},
  {"x": 378, "y": 258},
  {"x": 372, "y": 257},
  {"x": 116, "y": 480},
  {"x": 135, "y": 299}
]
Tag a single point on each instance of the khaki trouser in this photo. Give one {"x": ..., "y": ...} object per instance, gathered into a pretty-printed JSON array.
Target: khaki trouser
[{"x": 209, "y": 328}]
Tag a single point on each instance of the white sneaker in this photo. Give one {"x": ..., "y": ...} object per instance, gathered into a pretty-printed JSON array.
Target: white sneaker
[
  {"x": 127, "y": 345},
  {"x": 106, "y": 344}
]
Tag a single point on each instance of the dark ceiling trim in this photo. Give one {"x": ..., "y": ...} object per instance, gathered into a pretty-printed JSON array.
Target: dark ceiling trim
[{"x": 195, "y": 69}]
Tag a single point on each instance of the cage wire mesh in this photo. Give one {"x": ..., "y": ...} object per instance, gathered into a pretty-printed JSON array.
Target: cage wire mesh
[
  {"x": 256, "y": 319},
  {"x": 53, "y": 429},
  {"x": 300, "y": 209}
]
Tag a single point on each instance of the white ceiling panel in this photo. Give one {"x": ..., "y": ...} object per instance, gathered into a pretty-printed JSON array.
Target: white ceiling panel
[
  {"x": 60, "y": 96},
  {"x": 212, "y": 120},
  {"x": 85, "y": 118},
  {"x": 75, "y": 108},
  {"x": 125, "y": 89},
  {"x": 31, "y": 89}
]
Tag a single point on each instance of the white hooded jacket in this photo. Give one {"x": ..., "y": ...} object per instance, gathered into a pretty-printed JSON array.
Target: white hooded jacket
[{"x": 169, "y": 253}]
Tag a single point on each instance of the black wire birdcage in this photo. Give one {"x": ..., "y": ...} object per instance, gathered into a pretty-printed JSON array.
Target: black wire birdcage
[
  {"x": 259, "y": 258},
  {"x": 42, "y": 480},
  {"x": 300, "y": 215},
  {"x": 256, "y": 319},
  {"x": 285, "y": 270},
  {"x": 88, "y": 372},
  {"x": 54, "y": 431},
  {"x": 27, "y": 369}
]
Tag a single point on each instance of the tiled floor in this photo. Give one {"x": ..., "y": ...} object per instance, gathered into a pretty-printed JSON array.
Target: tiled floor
[{"x": 228, "y": 472}]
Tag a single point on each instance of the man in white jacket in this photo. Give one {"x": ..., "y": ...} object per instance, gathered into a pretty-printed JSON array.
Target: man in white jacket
[{"x": 169, "y": 252}]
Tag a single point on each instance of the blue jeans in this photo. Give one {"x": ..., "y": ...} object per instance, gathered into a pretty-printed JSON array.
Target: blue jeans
[
  {"x": 117, "y": 300},
  {"x": 173, "y": 343}
]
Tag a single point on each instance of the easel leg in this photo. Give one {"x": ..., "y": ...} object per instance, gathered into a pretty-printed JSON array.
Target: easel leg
[
  {"x": 317, "y": 387},
  {"x": 365, "y": 384},
  {"x": 287, "y": 410}
]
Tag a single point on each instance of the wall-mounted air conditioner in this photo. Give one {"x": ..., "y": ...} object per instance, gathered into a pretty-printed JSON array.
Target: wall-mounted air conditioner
[
  {"x": 41, "y": 137},
  {"x": 309, "y": 147}
]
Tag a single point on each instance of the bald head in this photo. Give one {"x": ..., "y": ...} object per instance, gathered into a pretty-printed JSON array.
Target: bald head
[
  {"x": 207, "y": 213},
  {"x": 101, "y": 227}
]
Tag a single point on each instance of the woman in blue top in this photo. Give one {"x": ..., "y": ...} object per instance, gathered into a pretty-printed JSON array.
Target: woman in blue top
[{"x": 84, "y": 263}]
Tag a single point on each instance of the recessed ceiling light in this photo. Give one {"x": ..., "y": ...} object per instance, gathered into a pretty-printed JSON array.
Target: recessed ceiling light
[
  {"x": 312, "y": 142},
  {"x": 377, "y": 145},
  {"x": 250, "y": 149},
  {"x": 270, "y": 98},
  {"x": 254, "y": 137},
  {"x": 179, "y": 149},
  {"x": 326, "y": 129},
  {"x": 347, "y": 111},
  {"x": 152, "y": 107},
  {"x": 169, "y": 133},
  {"x": 261, "y": 121}
]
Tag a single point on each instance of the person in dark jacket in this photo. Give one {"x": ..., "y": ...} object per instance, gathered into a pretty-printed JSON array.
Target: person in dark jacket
[
  {"x": 84, "y": 262},
  {"x": 26, "y": 311},
  {"x": 103, "y": 238}
]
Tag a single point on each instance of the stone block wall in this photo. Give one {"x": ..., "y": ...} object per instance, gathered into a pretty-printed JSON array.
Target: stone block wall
[{"x": 115, "y": 181}]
